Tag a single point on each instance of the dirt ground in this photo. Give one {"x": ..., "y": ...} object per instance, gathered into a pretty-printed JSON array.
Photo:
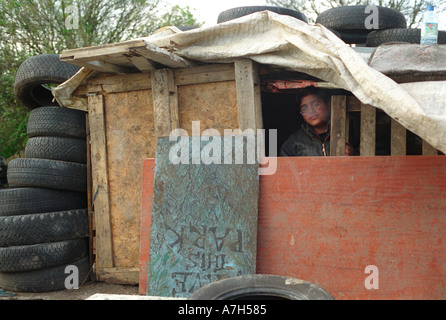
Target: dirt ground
[{"x": 84, "y": 292}]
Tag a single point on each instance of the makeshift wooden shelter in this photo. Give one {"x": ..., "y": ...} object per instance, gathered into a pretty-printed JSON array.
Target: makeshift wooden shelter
[{"x": 386, "y": 211}]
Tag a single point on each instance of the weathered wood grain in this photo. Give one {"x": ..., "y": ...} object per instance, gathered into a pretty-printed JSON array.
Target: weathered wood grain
[{"x": 323, "y": 220}]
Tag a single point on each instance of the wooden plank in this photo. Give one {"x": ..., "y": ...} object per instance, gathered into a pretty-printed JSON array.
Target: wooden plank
[
  {"x": 146, "y": 222},
  {"x": 143, "y": 64},
  {"x": 338, "y": 125},
  {"x": 119, "y": 275},
  {"x": 130, "y": 139},
  {"x": 119, "y": 83},
  {"x": 98, "y": 52},
  {"x": 173, "y": 101},
  {"x": 104, "y": 249},
  {"x": 213, "y": 104},
  {"x": 103, "y": 66},
  {"x": 428, "y": 150},
  {"x": 107, "y": 83},
  {"x": 248, "y": 95},
  {"x": 162, "y": 56},
  {"x": 99, "y": 57},
  {"x": 368, "y": 130},
  {"x": 382, "y": 211},
  {"x": 397, "y": 139},
  {"x": 91, "y": 226},
  {"x": 204, "y": 74},
  {"x": 165, "y": 102},
  {"x": 353, "y": 104}
]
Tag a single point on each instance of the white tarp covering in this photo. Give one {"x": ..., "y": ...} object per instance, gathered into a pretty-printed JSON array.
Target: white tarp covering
[{"x": 273, "y": 39}]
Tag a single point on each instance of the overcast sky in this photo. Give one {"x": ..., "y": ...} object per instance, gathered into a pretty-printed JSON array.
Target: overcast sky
[{"x": 208, "y": 10}]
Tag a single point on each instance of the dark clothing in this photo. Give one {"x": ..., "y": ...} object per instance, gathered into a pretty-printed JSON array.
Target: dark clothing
[{"x": 306, "y": 142}]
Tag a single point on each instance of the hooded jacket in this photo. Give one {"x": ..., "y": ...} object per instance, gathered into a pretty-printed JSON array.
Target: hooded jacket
[{"x": 306, "y": 142}]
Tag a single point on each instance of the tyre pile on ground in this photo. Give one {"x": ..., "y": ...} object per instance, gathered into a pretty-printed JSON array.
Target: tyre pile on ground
[{"x": 43, "y": 213}]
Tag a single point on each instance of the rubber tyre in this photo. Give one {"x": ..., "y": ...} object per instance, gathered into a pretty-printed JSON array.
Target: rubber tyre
[
  {"x": 187, "y": 28},
  {"x": 377, "y": 38},
  {"x": 257, "y": 287},
  {"x": 336, "y": 33},
  {"x": 43, "y": 227},
  {"x": 3, "y": 175},
  {"x": 42, "y": 255},
  {"x": 352, "y": 18},
  {"x": 353, "y": 37},
  {"x": 36, "y": 72},
  {"x": 44, "y": 280},
  {"x": 57, "y": 148},
  {"x": 57, "y": 122},
  {"x": 44, "y": 173},
  {"x": 19, "y": 201},
  {"x": 238, "y": 12}
]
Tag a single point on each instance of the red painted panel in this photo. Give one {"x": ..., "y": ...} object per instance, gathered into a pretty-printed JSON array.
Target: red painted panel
[
  {"x": 324, "y": 220},
  {"x": 146, "y": 217}
]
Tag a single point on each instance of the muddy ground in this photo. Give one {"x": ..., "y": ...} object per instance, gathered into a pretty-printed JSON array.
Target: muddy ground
[{"x": 84, "y": 292}]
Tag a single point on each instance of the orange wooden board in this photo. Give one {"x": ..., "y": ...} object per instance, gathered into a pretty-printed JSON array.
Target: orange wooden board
[
  {"x": 324, "y": 220},
  {"x": 146, "y": 218}
]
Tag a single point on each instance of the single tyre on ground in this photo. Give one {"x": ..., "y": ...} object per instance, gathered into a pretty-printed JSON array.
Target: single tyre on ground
[
  {"x": 376, "y": 38},
  {"x": 45, "y": 280},
  {"x": 57, "y": 148},
  {"x": 238, "y": 12},
  {"x": 19, "y": 201},
  {"x": 258, "y": 287},
  {"x": 57, "y": 122},
  {"x": 44, "y": 173},
  {"x": 36, "y": 74},
  {"x": 353, "y": 18},
  {"x": 43, "y": 227},
  {"x": 42, "y": 255}
]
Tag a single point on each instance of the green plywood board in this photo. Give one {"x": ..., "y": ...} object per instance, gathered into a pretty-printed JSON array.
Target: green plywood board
[{"x": 204, "y": 220}]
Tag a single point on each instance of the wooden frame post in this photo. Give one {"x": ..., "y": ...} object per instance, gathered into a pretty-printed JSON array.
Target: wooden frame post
[
  {"x": 249, "y": 102},
  {"x": 368, "y": 130},
  {"x": 338, "y": 131},
  {"x": 165, "y": 102},
  {"x": 397, "y": 139},
  {"x": 428, "y": 150},
  {"x": 104, "y": 246}
]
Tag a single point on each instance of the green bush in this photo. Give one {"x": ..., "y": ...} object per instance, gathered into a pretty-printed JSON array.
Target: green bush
[{"x": 13, "y": 119}]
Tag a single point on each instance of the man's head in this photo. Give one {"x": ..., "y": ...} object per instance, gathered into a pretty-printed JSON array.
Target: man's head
[{"x": 314, "y": 106}]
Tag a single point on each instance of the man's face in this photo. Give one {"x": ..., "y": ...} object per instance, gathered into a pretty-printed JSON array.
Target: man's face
[{"x": 314, "y": 110}]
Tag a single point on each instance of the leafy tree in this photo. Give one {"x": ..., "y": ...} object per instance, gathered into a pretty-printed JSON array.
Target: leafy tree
[
  {"x": 180, "y": 17},
  {"x": 31, "y": 27}
]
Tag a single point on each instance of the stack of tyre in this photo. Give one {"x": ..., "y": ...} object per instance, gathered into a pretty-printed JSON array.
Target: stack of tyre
[
  {"x": 43, "y": 213},
  {"x": 356, "y": 26}
]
